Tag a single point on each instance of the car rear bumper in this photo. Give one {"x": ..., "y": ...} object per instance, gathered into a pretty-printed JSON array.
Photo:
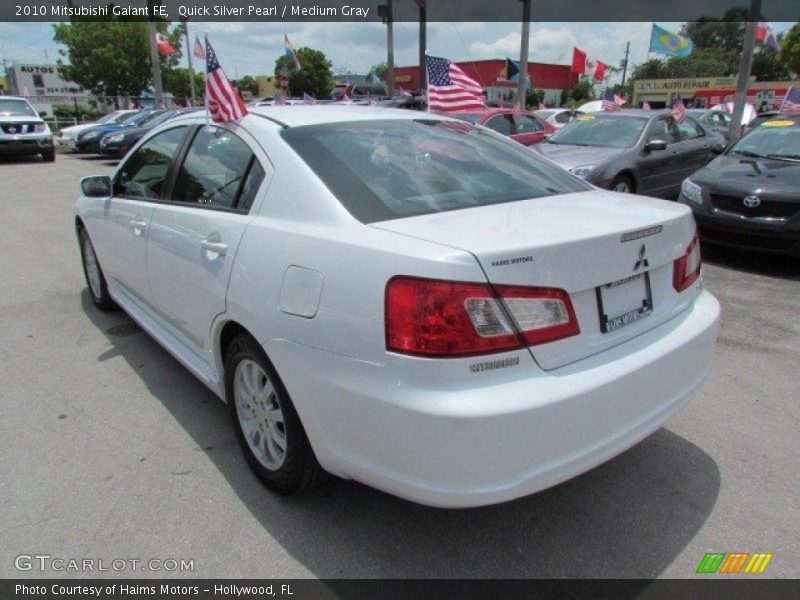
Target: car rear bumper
[{"x": 483, "y": 445}]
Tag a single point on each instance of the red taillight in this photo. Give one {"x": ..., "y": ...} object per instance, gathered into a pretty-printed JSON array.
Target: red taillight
[
  {"x": 444, "y": 318},
  {"x": 687, "y": 267}
]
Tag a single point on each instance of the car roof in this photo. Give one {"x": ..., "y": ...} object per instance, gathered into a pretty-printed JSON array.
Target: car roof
[
  {"x": 299, "y": 115},
  {"x": 13, "y": 98}
]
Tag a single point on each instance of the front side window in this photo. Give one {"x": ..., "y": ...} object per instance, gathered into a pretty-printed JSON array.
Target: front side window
[
  {"x": 662, "y": 130},
  {"x": 388, "y": 169},
  {"x": 144, "y": 173},
  {"x": 688, "y": 130},
  {"x": 219, "y": 170}
]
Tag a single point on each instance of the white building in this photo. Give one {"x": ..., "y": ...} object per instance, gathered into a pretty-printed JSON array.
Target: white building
[{"x": 43, "y": 86}]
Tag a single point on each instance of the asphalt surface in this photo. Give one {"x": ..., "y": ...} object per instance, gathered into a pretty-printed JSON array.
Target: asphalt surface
[{"x": 112, "y": 450}]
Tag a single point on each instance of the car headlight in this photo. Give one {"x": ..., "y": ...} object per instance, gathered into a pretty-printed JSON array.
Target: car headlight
[
  {"x": 115, "y": 138},
  {"x": 90, "y": 136},
  {"x": 692, "y": 191},
  {"x": 41, "y": 128},
  {"x": 582, "y": 171}
]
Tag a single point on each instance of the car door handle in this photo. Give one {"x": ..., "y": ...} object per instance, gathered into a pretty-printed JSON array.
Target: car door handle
[
  {"x": 214, "y": 247},
  {"x": 139, "y": 226}
]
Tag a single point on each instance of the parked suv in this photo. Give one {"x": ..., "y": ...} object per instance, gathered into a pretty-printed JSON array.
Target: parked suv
[{"x": 22, "y": 130}]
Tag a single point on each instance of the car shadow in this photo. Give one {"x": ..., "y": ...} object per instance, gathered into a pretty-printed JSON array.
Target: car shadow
[
  {"x": 751, "y": 261},
  {"x": 627, "y": 518},
  {"x": 33, "y": 158}
]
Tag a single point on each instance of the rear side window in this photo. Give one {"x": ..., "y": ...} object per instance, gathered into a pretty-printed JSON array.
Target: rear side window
[
  {"x": 382, "y": 170},
  {"x": 219, "y": 170},
  {"x": 528, "y": 124},
  {"x": 501, "y": 124},
  {"x": 143, "y": 174}
]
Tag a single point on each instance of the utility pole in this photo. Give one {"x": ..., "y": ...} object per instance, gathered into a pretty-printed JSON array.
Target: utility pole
[
  {"x": 189, "y": 52},
  {"x": 744, "y": 69},
  {"x": 523, "y": 53},
  {"x": 155, "y": 62},
  {"x": 386, "y": 13},
  {"x": 625, "y": 62},
  {"x": 423, "y": 63}
]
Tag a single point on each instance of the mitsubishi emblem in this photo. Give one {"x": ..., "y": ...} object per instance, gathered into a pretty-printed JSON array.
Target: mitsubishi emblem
[{"x": 642, "y": 262}]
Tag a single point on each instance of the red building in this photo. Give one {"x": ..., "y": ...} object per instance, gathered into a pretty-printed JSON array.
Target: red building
[{"x": 553, "y": 79}]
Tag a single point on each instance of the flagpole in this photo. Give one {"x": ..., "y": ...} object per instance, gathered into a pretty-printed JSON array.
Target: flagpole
[
  {"x": 189, "y": 52},
  {"x": 158, "y": 95},
  {"x": 205, "y": 86},
  {"x": 523, "y": 53},
  {"x": 744, "y": 70}
]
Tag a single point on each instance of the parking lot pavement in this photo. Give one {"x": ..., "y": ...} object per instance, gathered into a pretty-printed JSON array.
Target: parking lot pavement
[{"x": 110, "y": 449}]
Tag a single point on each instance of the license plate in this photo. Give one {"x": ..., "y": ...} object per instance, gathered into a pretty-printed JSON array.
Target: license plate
[{"x": 623, "y": 302}]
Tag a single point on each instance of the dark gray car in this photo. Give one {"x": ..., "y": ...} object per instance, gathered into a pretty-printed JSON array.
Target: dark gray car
[{"x": 637, "y": 151}]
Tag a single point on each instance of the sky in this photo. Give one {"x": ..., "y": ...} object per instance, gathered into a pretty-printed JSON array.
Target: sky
[{"x": 251, "y": 48}]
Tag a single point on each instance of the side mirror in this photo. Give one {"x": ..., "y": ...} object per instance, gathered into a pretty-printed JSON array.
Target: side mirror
[
  {"x": 718, "y": 148},
  {"x": 42, "y": 113},
  {"x": 98, "y": 186},
  {"x": 655, "y": 145}
]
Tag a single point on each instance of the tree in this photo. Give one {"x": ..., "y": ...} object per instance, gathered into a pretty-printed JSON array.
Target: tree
[
  {"x": 176, "y": 82},
  {"x": 315, "y": 76},
  {"x": 106, "y": 58},
  {"x": 790, "y": 49},
  {"x": 111, "y": 58},
  {"x": 247, "y": 83},
  {"x": 380, "y": 71}
]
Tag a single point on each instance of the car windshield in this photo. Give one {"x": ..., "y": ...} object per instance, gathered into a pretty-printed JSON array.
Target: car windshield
[
  {"x": 16, "y": 108},
  {"x": 778, "y": 138},
  {"x": 130, "y": 117},
  {"x": 601, "y": 130},
  {"x": 114, "y": 117},
  {"x": 468, "y": 117},
  {"x": 388, "y": 169},
  {"x": 151, "y": 118}
]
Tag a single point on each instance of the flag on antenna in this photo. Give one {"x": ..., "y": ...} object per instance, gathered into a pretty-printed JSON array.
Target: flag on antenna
[{"x": 222, "y": 98}]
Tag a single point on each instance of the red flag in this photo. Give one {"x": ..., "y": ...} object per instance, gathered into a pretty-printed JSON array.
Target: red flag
[
  {"x": 223, "y": 99},
  {"x": 583, "y": 64},
  {"x": 164, "y": 47}
]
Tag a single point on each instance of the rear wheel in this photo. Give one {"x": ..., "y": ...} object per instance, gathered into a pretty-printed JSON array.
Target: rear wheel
[
  {"x": 95, "y": 280},
  {"x": 623, "y": 184},
  {"x": 268, "y": 429}
]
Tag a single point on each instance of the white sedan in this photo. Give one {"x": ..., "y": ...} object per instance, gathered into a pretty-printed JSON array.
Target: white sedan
[{"x": 401, "y": 298}]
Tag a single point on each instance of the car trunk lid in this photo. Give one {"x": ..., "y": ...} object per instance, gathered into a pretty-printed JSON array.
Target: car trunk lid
[{"x": 612, "y": 253}]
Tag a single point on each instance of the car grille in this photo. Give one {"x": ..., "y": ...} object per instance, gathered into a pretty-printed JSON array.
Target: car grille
[
  {"x": 768, "y": 208},
  {"x": 13, "y": 128}
]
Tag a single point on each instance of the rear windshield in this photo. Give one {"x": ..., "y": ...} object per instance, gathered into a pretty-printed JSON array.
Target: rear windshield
[
  {"x": 16, "y": 108},
  {"x": 388, "y": 169},
  {"x": 469, "y": 117}
]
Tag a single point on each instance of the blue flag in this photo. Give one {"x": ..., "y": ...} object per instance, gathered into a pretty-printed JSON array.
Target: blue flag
[
  {"x": 671, "y": 44},
  {"x": 512, "y": 73}
]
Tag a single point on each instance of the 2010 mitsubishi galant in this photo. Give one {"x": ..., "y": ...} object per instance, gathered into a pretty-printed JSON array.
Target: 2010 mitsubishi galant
[{"x": 402, "y": 299}]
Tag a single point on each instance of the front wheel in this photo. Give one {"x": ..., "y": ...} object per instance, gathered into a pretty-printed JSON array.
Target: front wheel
[
  {"x": 49, "y": 155},
  {"x": 622, "y": 184},
  {"x": 95, "y": 280},
  {"x": 268, "y": 429}
]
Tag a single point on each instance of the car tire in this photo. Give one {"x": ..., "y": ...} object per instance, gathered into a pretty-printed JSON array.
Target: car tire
[
  {"x": 265, "y": 419},
  {"x": 95, "y": 280},
  {"x": 623, "y": 184},
  {"x": 49, "y": 155}
]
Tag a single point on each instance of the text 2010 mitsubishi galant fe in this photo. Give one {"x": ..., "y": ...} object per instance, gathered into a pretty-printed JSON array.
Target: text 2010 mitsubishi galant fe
[{"x": 402, "y": 299}]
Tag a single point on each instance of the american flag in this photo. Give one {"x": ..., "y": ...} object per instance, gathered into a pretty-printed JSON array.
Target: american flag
[
  {"x": 449, "y": 88},
  {"x": 646, "y": 106},
  {"x": 611, "y": 101},
  {"x": 308, "y": 99},
  {"x": 679, "y": 109},
  {"x": 280, "y": 100},
  {"x": 199, "y": 51},
  {"x": 222, "y": 98},
  {"x": 791, "y": 102}
]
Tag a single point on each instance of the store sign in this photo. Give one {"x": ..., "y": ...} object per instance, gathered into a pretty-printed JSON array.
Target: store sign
[
  {"x": 402, "y": 79},
  {"x": 691, "y": 84}
]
